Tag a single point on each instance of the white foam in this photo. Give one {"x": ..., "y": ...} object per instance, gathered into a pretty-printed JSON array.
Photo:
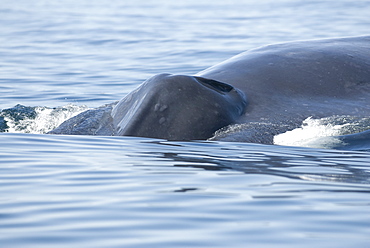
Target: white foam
[
  {"x": 313, "y": 133},
  {"x": 46, "y": 119}
]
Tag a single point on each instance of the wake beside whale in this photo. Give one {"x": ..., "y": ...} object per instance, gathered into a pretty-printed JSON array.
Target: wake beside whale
[{"x": 249, "y": 98}]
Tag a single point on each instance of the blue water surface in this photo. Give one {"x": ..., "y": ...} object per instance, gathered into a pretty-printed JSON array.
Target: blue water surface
[{"x": 82, "y": 191}]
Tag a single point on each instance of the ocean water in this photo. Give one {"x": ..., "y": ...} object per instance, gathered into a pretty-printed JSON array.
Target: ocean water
[{"x": 58, "y": 58}]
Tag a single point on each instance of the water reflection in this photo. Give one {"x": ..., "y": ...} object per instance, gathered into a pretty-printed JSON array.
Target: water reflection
[{"x": 294, "y": 163}]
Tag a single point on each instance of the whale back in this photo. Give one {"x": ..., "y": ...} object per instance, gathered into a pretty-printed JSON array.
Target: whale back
[{"x": 317, "y": 78}]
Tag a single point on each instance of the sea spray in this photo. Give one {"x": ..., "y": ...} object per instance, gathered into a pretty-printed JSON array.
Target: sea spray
[
  {"x": 38, "y": 120},
  {"x": 322, "y": 133}
]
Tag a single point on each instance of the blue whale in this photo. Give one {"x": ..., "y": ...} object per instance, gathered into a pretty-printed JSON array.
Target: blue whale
[{"x": 261, "y": 92}]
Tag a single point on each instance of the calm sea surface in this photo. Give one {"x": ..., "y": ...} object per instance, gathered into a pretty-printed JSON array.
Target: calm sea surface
[{"x": 82, "y": 191}]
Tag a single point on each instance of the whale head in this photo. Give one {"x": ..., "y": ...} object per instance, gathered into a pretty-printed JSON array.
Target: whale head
[{"x": 177, "y": 107}]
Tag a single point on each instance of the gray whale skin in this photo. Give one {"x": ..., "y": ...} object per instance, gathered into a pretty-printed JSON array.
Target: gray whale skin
[{"x": 264, "y": 91}]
